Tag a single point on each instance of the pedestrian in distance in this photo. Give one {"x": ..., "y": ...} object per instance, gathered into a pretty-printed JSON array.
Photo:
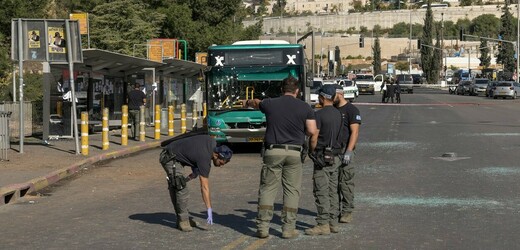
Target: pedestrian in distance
[
  {"x": 397, "y": 92},
  {"x": 326, "y": 162},
  {"x": 383, "y": 91},
  {"x": 390, "y": 92},
  {"x": 136, "y": 99},
  {"x": 347, "y": 142},
  {"x": 289, "y": 120},
  {"x": 198, "y": 152}
]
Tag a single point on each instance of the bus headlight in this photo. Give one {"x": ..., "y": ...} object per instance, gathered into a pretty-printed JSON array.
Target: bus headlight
[{"x": 214, "y": 129}]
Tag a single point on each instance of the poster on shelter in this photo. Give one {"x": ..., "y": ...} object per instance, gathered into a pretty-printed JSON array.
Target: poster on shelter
[
  {"x": 57, "y": 42},
  {"x": 34, "y": 39}
]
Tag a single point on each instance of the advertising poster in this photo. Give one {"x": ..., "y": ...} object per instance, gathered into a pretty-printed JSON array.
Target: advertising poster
[
  {"x": 34, "y": 39},
  {"x": 57, "y": 42}
]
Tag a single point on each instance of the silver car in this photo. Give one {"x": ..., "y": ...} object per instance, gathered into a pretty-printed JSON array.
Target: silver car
[{"x": 506, "y": 89}]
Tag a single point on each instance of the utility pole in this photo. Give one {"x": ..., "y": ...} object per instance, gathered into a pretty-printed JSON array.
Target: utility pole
[
  {"x": 442, "y": 45},
  {"x": 517, "y": 40},
  {"x": 410, "y": 45}
]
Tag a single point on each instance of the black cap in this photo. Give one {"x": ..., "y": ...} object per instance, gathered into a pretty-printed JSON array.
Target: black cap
[
  {"x": 328, "y": 91},
  {"x": 224, "y": 152}
]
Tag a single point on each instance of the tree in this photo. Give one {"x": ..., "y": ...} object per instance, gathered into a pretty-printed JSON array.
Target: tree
[
  {"x": 486, "y": 25},
  {"x": 118, "y": 25},
  {"x": 427, "y": 52},
  {"x": 402, "y": 66},
  {"x": 378, "y": 31},
  {"x": 506, "y": 51},
  {"x": 376, "y": 53},
  {"x": 485, "y": 59},
  {"x": 466, "y": 2},
  {"x": 436, "y": 58}
]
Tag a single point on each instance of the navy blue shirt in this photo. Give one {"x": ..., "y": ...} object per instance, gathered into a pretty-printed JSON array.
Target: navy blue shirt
[
  {"x": 195, "y": 151},
  {"x": 350, "y": 115},
  {"x": 286, "y": 117},
  {"x": 328, "y": 121}
]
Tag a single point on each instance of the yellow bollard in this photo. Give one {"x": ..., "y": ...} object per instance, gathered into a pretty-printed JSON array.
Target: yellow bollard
[
  {"x": 142, "y": 133},
  {"x": 204, "y": 110},
  {"x": 84, "y": 133},
  {"x": 171, "y": 131},
  {"x": 157, "y": 122},
  {"x": 195, "y": 117},
  {"x": 104, "y": 133},
  {"x": 183, "y": 118},
  {"x": 124, "y": 125}
]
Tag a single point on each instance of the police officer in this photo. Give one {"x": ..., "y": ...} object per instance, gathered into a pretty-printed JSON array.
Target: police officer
[
  {"x": 197, "y": 152},
  {"x": 326, "y": 163},
  {"x": 289, "y": 119},
  {"x": 397, "y": 91},
  {"x": 348, "y": 140},
  {"x": 136, "y": 99}
]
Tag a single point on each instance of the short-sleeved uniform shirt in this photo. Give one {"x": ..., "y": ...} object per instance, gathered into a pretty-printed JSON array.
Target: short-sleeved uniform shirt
[
  {"x": 135, "y": 99},
  {"x": 351, "y": 115},
  {"x": 328, "y": 121},
  {"x": 194, "y": 151},
  {"x": 286, "y": 117}
]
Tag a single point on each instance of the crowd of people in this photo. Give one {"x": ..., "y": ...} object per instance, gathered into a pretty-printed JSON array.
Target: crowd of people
[
  {"x": 294, "y": 131},
  {"x": 390, "y": 89}
]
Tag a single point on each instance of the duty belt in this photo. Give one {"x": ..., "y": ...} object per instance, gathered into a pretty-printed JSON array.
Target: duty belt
[{"x": 286, "y": 147}]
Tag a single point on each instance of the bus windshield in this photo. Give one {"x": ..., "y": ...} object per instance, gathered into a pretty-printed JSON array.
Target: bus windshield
[{"x": 229, "y": 86}]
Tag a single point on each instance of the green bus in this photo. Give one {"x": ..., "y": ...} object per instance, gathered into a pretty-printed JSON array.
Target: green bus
[{"x": 247, "y": 70}]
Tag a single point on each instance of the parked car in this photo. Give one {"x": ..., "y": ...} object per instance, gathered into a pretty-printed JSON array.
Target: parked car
[
  {"x": 350, "y": 89},
  {"x": 506, "y": 89},
  {"x": 417, "y": 79},
  {"x": 317, "y": 83},
  {"x": 490, "y": 87},
  {"x": 463, "y": 87},
  {"x": 478, "y": 87},
  {"x": 406, "y": 82}
]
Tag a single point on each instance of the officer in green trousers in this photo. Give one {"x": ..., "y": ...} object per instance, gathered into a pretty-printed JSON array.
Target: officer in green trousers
[{"x": 289, "y": 119}]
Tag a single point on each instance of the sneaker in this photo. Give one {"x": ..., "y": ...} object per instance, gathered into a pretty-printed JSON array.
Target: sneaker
[
  {"x": 334, "y": 229},
  {"x": 318, "y": 230},
  {"x": 290, "y": 234},
  {"x": 262, "y": 234},
  {"x": 346, "y": 218}
]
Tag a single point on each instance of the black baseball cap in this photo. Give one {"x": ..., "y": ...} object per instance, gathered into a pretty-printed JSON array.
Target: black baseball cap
[{"x": 224, "y": 152}]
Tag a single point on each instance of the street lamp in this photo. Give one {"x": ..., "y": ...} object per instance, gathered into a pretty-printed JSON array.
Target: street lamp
[{"x": 517, "y": 40}]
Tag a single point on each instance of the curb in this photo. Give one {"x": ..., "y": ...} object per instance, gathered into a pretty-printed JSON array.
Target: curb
[{"x": 13, "y": 192}]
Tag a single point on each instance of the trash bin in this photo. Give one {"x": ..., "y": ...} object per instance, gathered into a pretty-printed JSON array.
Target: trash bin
[
  {"x": 164, "y": 118},
  {"x": 4, "y": 134}
]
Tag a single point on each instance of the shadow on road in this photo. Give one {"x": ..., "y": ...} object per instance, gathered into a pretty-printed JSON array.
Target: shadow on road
[{"x": 165, "y": 219}]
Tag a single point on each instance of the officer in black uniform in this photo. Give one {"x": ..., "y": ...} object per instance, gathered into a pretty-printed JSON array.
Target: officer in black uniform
[
  {"x": 197, "y": 152},
  {"x": 289, "y": 119},
  {"x": 347, "y": 143},
  {"x": 326, "y": 162}
]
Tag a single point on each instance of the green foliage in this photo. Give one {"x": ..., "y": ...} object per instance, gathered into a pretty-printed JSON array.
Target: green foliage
[
  {"x": 485, "y": 25},
  {"x": 466, "y": 2},
  {"x": 402, "y": 66},
  {"x": 427, "y": 52},
  {"x": 506, "y": 52},
  {"x": 485, "y": 59},
  {"x": 118, "y": 25},
  {"x": 376, "y": 53},
  {"x": 378, "y": 31}
]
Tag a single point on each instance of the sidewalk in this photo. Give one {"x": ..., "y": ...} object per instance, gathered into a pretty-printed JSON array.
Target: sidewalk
[{"x": 44, "y": 164}]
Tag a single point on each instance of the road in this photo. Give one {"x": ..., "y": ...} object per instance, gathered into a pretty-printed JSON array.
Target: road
[{"x": 408, "y": 196}]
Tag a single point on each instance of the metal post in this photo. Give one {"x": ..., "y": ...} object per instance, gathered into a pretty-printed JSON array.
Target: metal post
[
  {"x": 20, "y": 82},
  {"x": 171, "y": 131},
  {"x": 124, "y": 125},
  {"x": 84, "y": 133},
  {"x": 72, "y": 87},
  {"x": 183, "y": 118},
  {"x": 312, "y": 51},
  {"x": 14, "y": 83},
  {"x": 410, "y": 46},
  {"x": 157, "y": 122},
  {"x": 142, "y": 133},
  {"x": 104, "y": 132},
  {"x": 442, "y": 45}
]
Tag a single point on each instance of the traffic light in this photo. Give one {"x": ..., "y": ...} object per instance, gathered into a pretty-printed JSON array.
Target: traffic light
[
  {"x": 418, "y": 43},
  {"x": 499, "y": 42},
  {"x": 337, "y": 57},
  {"x": 362, "y": 41},
  {"x": 461, "y": 34}
]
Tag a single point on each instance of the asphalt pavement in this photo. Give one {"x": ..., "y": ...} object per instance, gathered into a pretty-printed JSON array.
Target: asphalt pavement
[{"x": 44, "y": 163}]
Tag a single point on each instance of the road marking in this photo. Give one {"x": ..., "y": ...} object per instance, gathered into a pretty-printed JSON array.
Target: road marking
[
  {"x": 427, "y": 201},
  {"x": 257, "y": 244},
  {"x": 493, "y": 134},
  {"x": 450, "y": 158},
  {"x": 235, "y": 243},
  {"x": 497, "y": 171}
]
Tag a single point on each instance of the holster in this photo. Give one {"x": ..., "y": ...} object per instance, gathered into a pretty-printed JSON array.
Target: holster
[{"x": 167, "y": 161}]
